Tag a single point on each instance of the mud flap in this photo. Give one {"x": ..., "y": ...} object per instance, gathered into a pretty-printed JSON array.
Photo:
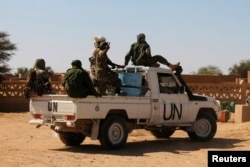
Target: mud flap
[{"x": 95, "y": 129}]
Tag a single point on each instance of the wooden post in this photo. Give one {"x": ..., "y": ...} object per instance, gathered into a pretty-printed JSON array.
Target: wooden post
[
  {"x": 248, "y": 77},
  {"x": 243, "y": 90}
]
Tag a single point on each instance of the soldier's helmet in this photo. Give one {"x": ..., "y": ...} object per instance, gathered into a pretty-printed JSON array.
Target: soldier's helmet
[
  {"x": 40, "y": 63},
  {"x": 76, "y": 63},
  {"x": 98, "y": 40},
  {"x": 141, "y": 37}
]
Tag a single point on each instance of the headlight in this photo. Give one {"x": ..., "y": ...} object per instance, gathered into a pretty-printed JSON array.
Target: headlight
[{"x": 217, "y": 104}]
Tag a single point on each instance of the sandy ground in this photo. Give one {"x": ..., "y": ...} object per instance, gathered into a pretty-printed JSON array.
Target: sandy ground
[{"x": 24, "y": 145}]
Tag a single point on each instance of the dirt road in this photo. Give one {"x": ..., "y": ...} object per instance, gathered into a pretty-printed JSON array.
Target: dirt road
[{"x": 24, "y": 145}]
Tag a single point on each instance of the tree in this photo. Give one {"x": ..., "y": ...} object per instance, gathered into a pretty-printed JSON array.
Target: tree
[
  {"x": 6, "y": 51},
  {"x": 26, "y": 71},
  {"x": 22, "y": 70},
  {"x": 241, "y": 69},
  {"x": 210, "y": 69}
]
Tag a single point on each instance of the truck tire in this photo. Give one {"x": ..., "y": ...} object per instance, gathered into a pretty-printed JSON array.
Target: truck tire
[
  {"x": 71, "y": 139},
  {"x": 113, "y": 132},
  {"x": 205, "y": 127},
  {"x": 163, "y": 133}
]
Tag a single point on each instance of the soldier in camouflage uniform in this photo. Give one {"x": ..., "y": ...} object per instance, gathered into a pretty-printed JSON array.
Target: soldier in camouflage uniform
[
  {"x": 100, "y": 72},
  {"x": 77, "y": 82},
  {"x": 140, "y": 54},
  {"x": 38, "y": 80}
]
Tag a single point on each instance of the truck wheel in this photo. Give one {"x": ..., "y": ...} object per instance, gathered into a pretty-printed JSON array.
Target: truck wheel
[
  {"x": 71, "y": 139},
  {"x": 113, "y": 133},
  {"x": 163, "y": 133},
  {"x": 205, "y": 127}
]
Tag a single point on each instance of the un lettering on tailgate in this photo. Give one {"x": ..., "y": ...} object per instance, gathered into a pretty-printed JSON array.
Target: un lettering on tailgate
[{"x": 58, "y": 106}]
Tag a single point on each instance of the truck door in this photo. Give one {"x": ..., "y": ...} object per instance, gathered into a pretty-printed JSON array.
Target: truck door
[{"x": 173, "y": 103}]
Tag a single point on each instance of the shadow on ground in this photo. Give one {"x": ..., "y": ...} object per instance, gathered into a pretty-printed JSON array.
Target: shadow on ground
[{"x": 173, "y": 145}]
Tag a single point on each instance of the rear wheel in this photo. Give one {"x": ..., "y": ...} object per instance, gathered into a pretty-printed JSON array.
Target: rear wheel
[
  {"x": 71, "y": 139},
  {"x": 204, "y": 128},
  {"x": 113, "y": 132},
  {"x": 163, "y": 133}
]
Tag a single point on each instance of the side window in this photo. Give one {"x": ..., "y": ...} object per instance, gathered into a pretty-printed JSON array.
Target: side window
[{"x": 167, "y": 84}]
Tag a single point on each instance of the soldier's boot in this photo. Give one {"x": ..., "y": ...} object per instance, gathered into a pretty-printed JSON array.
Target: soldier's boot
[{"x": 174, "y": 66}]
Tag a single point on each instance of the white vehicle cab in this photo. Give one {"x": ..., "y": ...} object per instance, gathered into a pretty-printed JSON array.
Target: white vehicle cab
[{"x": 157, "y": 100}]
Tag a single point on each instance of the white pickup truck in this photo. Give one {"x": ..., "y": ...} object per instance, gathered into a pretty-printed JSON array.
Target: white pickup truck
[{"x": 157, "y": 100}]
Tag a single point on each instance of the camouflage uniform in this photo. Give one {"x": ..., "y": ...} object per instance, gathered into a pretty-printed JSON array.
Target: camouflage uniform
[
  {"x": 38, "y": 80},
  {"x": 100, "y": 72},
  {"x": 140, "y": 54},
  {"x": 82, "y": 81}
]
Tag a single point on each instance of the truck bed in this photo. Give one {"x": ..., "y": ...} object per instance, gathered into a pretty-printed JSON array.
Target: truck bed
[{"x": 90, "y": 107}]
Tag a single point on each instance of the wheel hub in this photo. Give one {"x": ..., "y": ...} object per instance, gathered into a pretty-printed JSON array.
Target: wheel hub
[
  {"x": 202, "y": 127},
  {"x": 115, "y": 133}
]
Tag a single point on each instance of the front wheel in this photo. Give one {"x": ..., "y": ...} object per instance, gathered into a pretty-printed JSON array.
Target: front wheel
[
  {"x": 71, "y": 139},
  {"x": 113, "y": 132},
  {"x": 204, "y": 128}
]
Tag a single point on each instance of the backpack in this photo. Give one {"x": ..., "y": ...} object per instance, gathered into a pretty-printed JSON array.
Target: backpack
[{"x": 38, "y": 84}]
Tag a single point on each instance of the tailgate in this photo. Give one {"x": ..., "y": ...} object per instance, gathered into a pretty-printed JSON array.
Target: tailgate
[{"x": 48, "y": 110}]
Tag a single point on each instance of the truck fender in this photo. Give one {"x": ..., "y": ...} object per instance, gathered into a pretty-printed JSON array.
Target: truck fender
[{"x": 208, "y": 110}]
